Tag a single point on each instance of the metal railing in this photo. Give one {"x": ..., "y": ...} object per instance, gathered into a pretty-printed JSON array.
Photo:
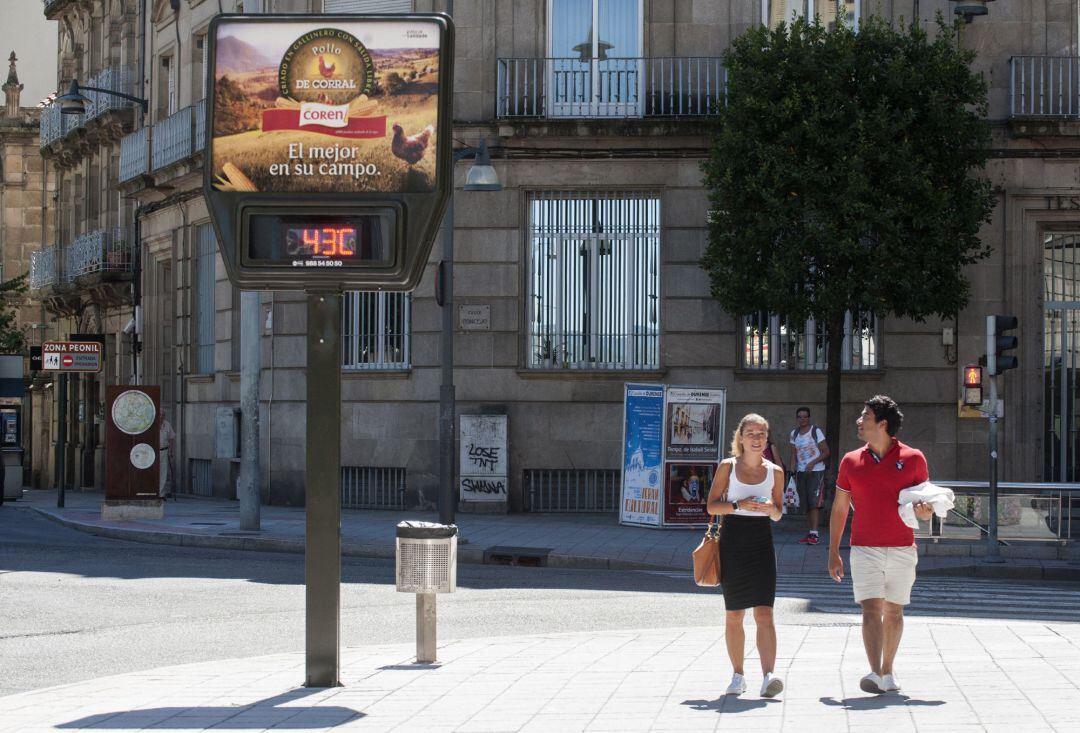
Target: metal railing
[
  {"x": 372, "y": 487},
  {"x": 135, "y": 154},
  {"x": 117, "y": 79},
  {"x": 200, "y": 126},
  {"x": 1044, "y": 86},
  {"x": 1027, "y": 511},
  {"x": 171, "y": 139},
  {"x": 44, "y": 268},
  {"x": 202, "y": 477},
  {"x": 613, "y": 87},
  {"x": 100, "y": 250},
  {"x": 773, "y": 342},
  {"x": 572, "y": 490},
  {"x": 53, "y": 126}
]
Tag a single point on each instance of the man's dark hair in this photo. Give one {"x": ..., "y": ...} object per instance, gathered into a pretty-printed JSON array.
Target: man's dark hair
[
  {"x": 884, "y": 408},
  {"x": 803, "y": 409}
]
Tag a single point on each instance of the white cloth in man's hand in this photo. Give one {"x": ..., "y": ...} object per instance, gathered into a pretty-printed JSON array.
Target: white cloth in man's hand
[{"x": 938, "y": 497}]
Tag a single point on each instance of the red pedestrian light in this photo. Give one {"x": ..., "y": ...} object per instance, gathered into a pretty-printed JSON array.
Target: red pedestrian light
[{"x": 973, "y": 377}]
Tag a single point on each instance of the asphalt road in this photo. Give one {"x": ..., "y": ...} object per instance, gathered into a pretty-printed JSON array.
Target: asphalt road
[{"x": 74, "y": 606}]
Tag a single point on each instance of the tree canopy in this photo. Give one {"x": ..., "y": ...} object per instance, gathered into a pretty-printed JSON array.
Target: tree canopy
[
  {"x": 12, "y": 335},
  {"x": 844, "y": 175}
]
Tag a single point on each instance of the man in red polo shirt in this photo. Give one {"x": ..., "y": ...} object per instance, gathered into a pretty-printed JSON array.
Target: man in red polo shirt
[{"x": 883, "y": 556}]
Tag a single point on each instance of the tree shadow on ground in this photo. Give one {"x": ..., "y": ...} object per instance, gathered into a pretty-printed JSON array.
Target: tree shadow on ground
[{"x": 256, "y": 716}]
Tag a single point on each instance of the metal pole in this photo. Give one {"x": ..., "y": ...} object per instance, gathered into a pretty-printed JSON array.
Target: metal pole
[
  {"x": 250, "y": 357},
  {"x": 993, "y": 553},
  {"x": 322, "y": 559},
  {"x": 447, "y": 493},
  {"x": 425, "y": 628},
  {"x": 61, "y": 436}
]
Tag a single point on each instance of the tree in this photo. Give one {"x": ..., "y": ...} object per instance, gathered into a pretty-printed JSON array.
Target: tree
[
  {"x": 843, "y": 175},
  {"x": 12, "y": 335}
]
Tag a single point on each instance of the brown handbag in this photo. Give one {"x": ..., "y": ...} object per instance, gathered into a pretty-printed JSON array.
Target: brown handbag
[{"x": 707, "y": 571}]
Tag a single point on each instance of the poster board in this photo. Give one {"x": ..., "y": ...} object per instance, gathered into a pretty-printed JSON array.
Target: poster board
[
  {"x": 642, "y": 464},
  {"x": 133, "y": 420}
]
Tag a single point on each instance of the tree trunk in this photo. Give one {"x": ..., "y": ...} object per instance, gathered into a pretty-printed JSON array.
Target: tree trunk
[{"x": 832, "y": 394}]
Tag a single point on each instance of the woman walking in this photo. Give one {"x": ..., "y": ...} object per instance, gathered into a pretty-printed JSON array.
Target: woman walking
[{"x": 749, "y": 490}]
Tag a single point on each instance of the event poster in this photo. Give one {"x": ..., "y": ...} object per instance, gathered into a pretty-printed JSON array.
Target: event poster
[
  {"x": 309, "y": 107},
  {"x": 643, "y": 417},
  {"x": 686, "y": 491},
  {"x": 693, "y": 425}
]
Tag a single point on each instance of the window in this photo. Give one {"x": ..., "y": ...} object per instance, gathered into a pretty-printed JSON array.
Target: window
[
  {"x": 205, "y": 304},
  {"x": 198, "y": 67},
  {"x": 784, "y": 11},
  {"x": 595, "y": 66},
  {"x": 773, "y": 342},
  {"x": 167, "y": 94},
  {"x": 375, "y": 330},
  {"x": 367, "y": 6},
  {"x": 594, "y": 281}
]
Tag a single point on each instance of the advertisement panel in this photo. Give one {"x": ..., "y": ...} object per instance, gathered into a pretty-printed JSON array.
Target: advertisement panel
[
  {"x": 694, "y": 418},
  {"x": 643, "y": 416},
  {"x": 686, "y": 490},
  {"x": 326, "y": 106}
]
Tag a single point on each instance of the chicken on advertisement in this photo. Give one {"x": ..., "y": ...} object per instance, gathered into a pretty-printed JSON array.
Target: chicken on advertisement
[{"x": 311, "y": 108}]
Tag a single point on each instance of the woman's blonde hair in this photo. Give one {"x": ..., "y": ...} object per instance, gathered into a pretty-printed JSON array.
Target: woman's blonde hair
[{"x": 751, "y": 419}]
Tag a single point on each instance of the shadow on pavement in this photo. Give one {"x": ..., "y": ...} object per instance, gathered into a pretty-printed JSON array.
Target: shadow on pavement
[
  {"x": 257, "y": 716},
  {"x": 878, "y": 702},
  {"x": 730, "y": 704}
]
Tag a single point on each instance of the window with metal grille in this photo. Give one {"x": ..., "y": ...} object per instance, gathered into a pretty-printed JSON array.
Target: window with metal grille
[
  {"x": 202, "y": 477},
  {"x": 785, "y": 11},
  {"x": 372, "y": 487},
  {"x": 775, "y": 342},
  {"x": 367, "y": 6},
  {"x": 205, "y": 282},
  {"x": 571, "y": 490},
  {"x": 375, "y": 330},
  {"x": 594, "y": 281}
]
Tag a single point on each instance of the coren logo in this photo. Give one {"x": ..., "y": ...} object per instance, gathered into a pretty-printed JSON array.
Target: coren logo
[{"x": 326, "y": 115}]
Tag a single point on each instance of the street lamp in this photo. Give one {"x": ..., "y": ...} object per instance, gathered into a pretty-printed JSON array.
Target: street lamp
[
  {"x": 970, "y": 8},
  {"x": 74, "y": 103},
  {"x": 481, "y": 176}
]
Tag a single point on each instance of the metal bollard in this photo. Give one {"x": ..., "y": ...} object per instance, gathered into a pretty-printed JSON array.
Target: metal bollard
[{"x": 426, "y": 564}]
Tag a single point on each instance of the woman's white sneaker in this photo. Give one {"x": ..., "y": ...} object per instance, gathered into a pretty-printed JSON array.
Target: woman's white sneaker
[
  {"x": 871, "y": 683},
  {"x": 890, "y": 683},
  {"x": 771, "y": 686},
  {"x": 737, "y": 686}
]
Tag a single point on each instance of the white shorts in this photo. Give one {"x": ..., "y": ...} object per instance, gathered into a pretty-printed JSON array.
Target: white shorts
[{"x": 883, "y": 572}]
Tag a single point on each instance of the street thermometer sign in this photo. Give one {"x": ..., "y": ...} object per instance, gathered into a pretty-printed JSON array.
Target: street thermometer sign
[{"x": 328, "y": 147}]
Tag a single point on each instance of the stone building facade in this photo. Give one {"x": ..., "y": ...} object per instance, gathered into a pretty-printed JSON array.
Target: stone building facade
[
  {"x": 27, "y": 183},
  {"x": 583, "y": 268}
]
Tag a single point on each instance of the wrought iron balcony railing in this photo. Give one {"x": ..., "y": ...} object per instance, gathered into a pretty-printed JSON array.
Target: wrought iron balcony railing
[
  {"x": 1044, "y": 86},
  {"x": 44, "y": 268},
  {"x": 612, "y": 87},
  {"x": 100, "y": 250},
  {"x": 54, "y": 126},
  {"x": 200, "y": 126},
  {"x": 135, "y": 154},
  {"x": 171, "y": 139}
]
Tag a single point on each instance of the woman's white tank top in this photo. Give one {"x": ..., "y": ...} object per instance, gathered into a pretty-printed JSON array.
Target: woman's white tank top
[{"x": 737, "y": 490}]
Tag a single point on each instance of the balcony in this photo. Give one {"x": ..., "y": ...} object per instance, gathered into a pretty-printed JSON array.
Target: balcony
[
  {"x": 56, "y": 127},
  {"x": 44, "y": 272},
  {"x": 135, "y": 155},
  {"x": 1044, "y": 95},
  {"x": 101, "y": 251},
  {"x": 171, "y": 139},
  {"x": 550, "y": 88}
]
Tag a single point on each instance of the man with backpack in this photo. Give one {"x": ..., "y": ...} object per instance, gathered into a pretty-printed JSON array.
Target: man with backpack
[{"x": 809, "y": 457}]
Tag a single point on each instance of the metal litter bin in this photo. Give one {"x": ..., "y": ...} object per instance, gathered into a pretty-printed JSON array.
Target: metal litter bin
[{"x": 426, "y": 564}]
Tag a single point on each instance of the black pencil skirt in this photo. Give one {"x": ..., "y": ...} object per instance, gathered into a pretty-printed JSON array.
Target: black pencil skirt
[{"x": 748, "y": 562}]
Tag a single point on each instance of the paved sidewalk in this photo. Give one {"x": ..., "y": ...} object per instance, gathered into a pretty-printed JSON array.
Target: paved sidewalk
[
  {"x": 957, "y": 677},
  {"x": 573, "y": 540}
]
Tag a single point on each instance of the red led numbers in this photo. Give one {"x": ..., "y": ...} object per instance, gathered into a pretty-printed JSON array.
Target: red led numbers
[{"x": 329, "y": 241}]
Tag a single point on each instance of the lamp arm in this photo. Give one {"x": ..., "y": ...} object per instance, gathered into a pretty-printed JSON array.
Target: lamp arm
[{"x": 145, "y": 104}]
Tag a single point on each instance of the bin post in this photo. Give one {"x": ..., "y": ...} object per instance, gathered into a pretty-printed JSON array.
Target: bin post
[{"x": 426, "y": 624}]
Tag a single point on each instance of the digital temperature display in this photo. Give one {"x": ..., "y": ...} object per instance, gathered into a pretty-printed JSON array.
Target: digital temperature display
[{"x": 321, "y": 241}]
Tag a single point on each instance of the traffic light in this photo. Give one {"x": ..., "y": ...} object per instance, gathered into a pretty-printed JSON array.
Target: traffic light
[
  {"x": 995, "y": 360},
  {"x": 972, "y": 384}
]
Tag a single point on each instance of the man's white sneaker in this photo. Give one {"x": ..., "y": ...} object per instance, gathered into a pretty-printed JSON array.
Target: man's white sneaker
[
  {"x": 871, "y": 683},
  {"x": 737, "y": 686},
  {"x": 771, "y": 686},
  {"x": 890, "y": 683}
]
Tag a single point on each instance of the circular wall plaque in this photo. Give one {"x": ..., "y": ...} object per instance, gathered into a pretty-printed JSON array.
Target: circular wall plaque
[
  {"x": 143, "y": 456},
  {"x": 133, "y": 412}
]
